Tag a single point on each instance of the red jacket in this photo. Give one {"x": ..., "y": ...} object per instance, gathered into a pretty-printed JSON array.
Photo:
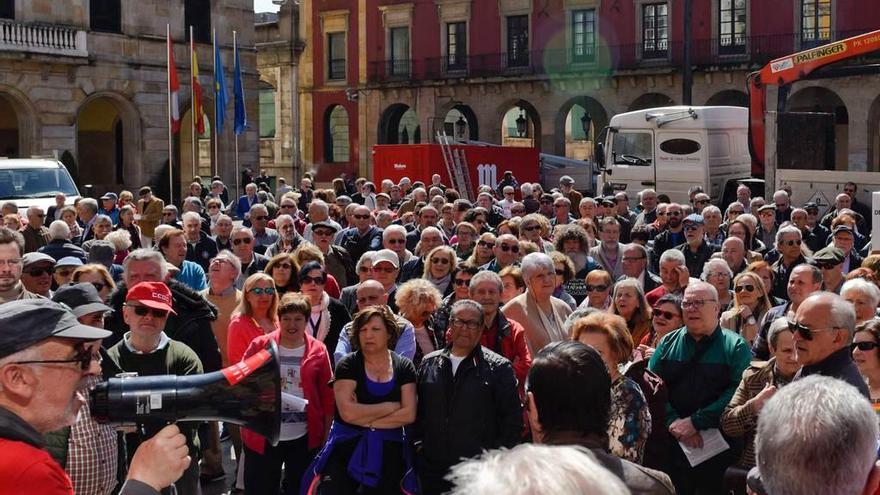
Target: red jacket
[
  {"x": 26, "y": 470},
  {"x": 316, "y": 373},
  {"x": 242, "y": 330}
]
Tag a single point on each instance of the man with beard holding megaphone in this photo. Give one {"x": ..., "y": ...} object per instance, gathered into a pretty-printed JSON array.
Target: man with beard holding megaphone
[{"x": 46, "y": 356}]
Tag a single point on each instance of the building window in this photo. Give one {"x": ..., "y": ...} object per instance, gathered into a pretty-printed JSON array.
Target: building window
[
  {"x": 732, "y": 27},
  {"x": 7, "y": 9},
  {"x": 583, "y": 35},
  {"x": 655, "y": 30},
  {"x": 456, "y": 46},
  {"x": 267, "y": 110},
  {"x": 815, "y": 22},
  {"x": 336, "y": 146},
  {"x": 518, "y": 41},
  {"x": 336, "y": 56},
  {"x": 398, "y": 51},
  {"x": 105, "y": 16},
  {"x": 197, "y": 13}
]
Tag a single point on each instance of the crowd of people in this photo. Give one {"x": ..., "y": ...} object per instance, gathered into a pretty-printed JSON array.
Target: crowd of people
[{"x": 526, "y": 340}]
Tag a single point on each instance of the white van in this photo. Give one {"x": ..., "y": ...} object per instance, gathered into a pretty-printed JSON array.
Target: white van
[
  {"x": 671, "y": 149},
  {"x": 35, "y": 182}
]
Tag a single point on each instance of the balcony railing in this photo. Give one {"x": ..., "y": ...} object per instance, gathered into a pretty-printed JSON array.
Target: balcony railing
[
  {"x": 42, "y": 38},
  {"x": 752, "y": 52}
]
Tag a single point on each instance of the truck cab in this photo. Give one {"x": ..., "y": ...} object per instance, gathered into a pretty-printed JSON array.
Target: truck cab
[{"x": 671, "y": 149}]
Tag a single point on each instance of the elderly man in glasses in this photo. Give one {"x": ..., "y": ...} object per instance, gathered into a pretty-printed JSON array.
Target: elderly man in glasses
[
  {"x": 823, "y": 328},
  {"x": 147, "y": 350},
  {"x": 702, "y": 365}
]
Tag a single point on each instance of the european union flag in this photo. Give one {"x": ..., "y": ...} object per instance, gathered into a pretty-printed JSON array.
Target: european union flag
[
  {"x": 221, "y": 97},
  {"x": 238, "y": 88}
]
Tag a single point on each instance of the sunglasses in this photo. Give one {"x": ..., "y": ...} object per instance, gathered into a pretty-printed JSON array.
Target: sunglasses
[
  {"x": 596, "y": 288},
  {"x": 485, "y": 244},
  {"x": 84, "y": 359},
  {"x": 667, "y": 315},
  {"x": 259, "y": 291},
  {"x": 673, "y": 213},
  {"x": 442, "y": 261},
  {"x": 863, "y": 346},
  {"x": 395, "y": 241},
  {"x": 508, "y": 247},
  {"x": 747, "y": 288},
  {"x": 560, "y": 272},
  {"x": 795, "y": 242},
  {"x": 319, "y": 280},
  {"x": 692, "y": 226},
  {"x": 461, "y": 282},
  {"x": 737, "y": 212},
  {"x": 701, "y": 201},
  {"x": 213, "y": 207},
  {"x": 384, "y": 269},
  {"x": 98, "y": 286},
  {"x": 246, "y": 240},
  {"x": 261, "y": 217},
  {"x": 39, "y": 272},
  {"x": 323, "y": 233},
  {"x": 361, "y": 217},
  {"x": 286, "y": 266},
  {"x": 805, "y": 332},
  {"x": 144, "y": 311}
]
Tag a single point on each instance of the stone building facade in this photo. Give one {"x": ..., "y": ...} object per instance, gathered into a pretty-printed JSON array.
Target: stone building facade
[
  {"x": 528, "y": 72},
  {"x": 86, "y": 81}
]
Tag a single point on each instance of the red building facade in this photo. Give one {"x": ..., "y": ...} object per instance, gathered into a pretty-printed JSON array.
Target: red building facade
[{"x": 550, "y": 73}]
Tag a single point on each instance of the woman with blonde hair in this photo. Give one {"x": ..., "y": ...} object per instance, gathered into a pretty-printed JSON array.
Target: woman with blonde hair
[
  {"x": 628, "y": 300},
  {"x": 750, "y": 302},
  {"x": 254, "y": 316},
  {"x": 483, "y": 253},
  {"x": 417, "y": 300},
  {"x": 440, "y": 266},
  {"x": 535, "y": 228},
  {"x": 97, "y": 275}
]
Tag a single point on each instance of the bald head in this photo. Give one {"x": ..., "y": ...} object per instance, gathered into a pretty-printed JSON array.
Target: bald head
[{"x": 371, "y": 293}]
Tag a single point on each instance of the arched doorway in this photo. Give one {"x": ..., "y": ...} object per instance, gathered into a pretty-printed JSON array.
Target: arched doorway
[
  {"x": 461, "y": 123},
  {"x": 576, "y": 125},
  {"x": 9, "y": 138},
  {"x": 819, "y": 99},
  {"x": 100, "y": 144},
  {"x": 204, "y": 149},
  {"x": 521, "y": 125},
  {"x": 729, "y": 98},
  {"x": 337, "y": 145},
  {"x": 651, "y": 100},
  {"x": 399, "y": 124},
  {"x": 19, "y": 126}
]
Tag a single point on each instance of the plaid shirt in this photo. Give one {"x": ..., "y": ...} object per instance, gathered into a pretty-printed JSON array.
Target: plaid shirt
[{"x": 92, "y": 453}]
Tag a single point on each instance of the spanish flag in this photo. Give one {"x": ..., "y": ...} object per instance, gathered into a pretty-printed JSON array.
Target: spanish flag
[{"x": 198, "y": 112}]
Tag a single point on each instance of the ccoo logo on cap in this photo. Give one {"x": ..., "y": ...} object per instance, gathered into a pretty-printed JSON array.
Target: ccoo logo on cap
[{"x": 154, "y": 295}]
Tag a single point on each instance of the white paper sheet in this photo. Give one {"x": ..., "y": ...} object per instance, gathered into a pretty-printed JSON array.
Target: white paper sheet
[
  {"x": 713, "y": 444},
  {"x": 292, "y": 403}
]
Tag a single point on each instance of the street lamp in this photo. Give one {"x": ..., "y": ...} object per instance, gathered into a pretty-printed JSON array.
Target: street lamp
[
  {"x": 586, "y": 120},
  {"x": 522, "y": 123},
  {"x": 404, "y": 136},
  {"x": 460, "y": 128}
]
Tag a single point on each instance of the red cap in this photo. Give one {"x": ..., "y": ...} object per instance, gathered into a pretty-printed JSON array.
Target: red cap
[{"x": 152, "y": 295}]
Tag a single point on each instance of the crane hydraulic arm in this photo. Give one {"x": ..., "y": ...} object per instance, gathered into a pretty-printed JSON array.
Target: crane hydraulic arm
[{"x": 791, "y": 68}]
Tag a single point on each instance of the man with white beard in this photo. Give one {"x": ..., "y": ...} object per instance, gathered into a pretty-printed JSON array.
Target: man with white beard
[{"x": 573, "y": 241}]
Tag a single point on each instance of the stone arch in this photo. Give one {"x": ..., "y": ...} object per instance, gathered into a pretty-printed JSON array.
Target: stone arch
[
  {"x": 821, "y": 99},
  {"x": 109, "y": 118},
  {"x": 730, "y": 98},
  {"x": 651, "y": 100},
  {"x": 563, "y": 130},
  {"x": 399, "y": 124},
  {"x": 25, "y": 138},
  {"x": 337, "y": 135},
  {"x": 874, "y": 136},
  {"x": 449, "y": 115},
  {"x": 508, "y": 112}
]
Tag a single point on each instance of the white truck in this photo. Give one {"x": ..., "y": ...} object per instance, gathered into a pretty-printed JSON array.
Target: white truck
[{"x": 671, "y": 149}]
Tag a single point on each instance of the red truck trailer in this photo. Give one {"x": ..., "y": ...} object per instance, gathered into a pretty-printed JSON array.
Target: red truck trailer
[{"x": 486, "y": 164}]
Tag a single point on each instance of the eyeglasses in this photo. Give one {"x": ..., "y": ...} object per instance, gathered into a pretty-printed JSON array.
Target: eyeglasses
[
  {"x": 791, "y": 242},
  {"x": 144, "y": 311},
  {"x": 319, "y": 280},
  {"x": 596, "y": 288},
  {"x": 288, "y": 206},
  {"x": 442, "y": 261},
  {"x": 246, "y": 240},
  {"x": 213, "y": 207},
  {"x": 805, "y": 332},
  {"x": 701, "y": 201},
  {"x": 560, "y": 271},
  {"x": 286, "y": 266},
  {"x": 747, "y": 288},
  {"x": 673, "y": 213},
  {"x": 469, "y": 324},
  {"x": 259, "y": 291},
  {"x": 695, "y": 303},
  {"x": 323, "y": 233},
  {"x": 361, "y": 217},
  {"x": 737, "y": 212},
  {"x": 531, "y": 228},
  {"x": 365, "y": 269},
  {"x": 667, "y": 315},
  {"x": 461, "y": 282},
  {"x": 385, "y": 269},
  {"x": 395, "y": 241},
  {"x": 84, "y": 359},
  {"x": 485, "y": 244},
  {"x": 510, "y": 247},
  {"x": 863, "y": 346},
  {"x": 39, "y": 272}
]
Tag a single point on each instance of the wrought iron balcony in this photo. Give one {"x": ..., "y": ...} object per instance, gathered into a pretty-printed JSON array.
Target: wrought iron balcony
[{"x": 42, "y": 38}]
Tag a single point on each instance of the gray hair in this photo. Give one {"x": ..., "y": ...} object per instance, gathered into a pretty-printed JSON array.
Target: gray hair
[
  {"x": 367, "y": 257},
  {"x": 470, "y": 304},
  {"x": 861, "y": 285},
  {"x": 90, "y": 203},
  {"x": 320, "y": 205},
  {"x": 563, "y": 469},
  {"x": 533, "y": 262},
  {"x": 672, "y": 255},
  {"x": 144, "y": 254},
  {"x": 788, "y": 229},
  {"x": 171, "y": 208},
  {"x": 587, "y": 201},
  {"x": 830, "y": 426},
  {"x": 526, "y": 188},
  {"x": 103, "y": 219},
  {"x": 282, "y": 219},
  {"x": 259, "y": 206},
  {"x": 191, "y": 214},
  {"x": 486, "y": 276},
  {"x": 731, "y": 205},
  {"x": 59, "y": 230},
  {"x": 392, "y": 229},
  {"x": 711, "y": 209},
  {"x": 703, "y": 286},
  {"x": 707, "y": 268},
  {"x": 778, "y": 326},
  {"x": 842, "y": 312},
  {"x": 241, "y": 228},
  {"x": 646, "y": 191},
  {"x": 32, "y": 209},
  {"x": 231, "y": 258},
  {"x": 576, "y": 315},
  {"x": 193, "y": 200},
  {"x": 120, "y": 239}
]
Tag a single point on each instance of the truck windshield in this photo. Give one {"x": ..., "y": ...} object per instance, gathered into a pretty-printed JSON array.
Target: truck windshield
[
  {"x": 23, "y": 183},
  {"x": 632, "y": 148}
]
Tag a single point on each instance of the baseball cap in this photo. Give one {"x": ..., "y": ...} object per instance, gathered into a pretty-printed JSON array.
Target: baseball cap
[
  {"x": 27, "y": 322},
  {"x": 387, "y": 255},
  {"x": 82, "y": 299},
  {"x": 694, "y": 218},
  {"x": 154, "y": 295},
  {"x": 566, "y": 180},
  {"x": 69, "y": 261},
  {"x": 33, "y": 258},
  {"x": 829, "y": 254},
  {"x": 110, "y": 195}
]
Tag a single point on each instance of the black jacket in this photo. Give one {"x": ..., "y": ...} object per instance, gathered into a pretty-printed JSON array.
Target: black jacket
[
  {"x": 191, "y": 325},
  {"x": 695, "y": 261},
  {"x": 202, "y": 252},
  {"x": 662, "y": 243},
  {"x": 339, "y": 316},
  {"x": 840, "y": 365},
  {"x": 460, "y": 416},
  {"x": 414, "y": 268},
  {"x": 61, "y": 248},
  {"x": 651, "y": 281}
]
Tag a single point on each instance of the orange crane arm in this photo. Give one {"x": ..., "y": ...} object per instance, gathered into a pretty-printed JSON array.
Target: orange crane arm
[{"x": 791, "y": 68}]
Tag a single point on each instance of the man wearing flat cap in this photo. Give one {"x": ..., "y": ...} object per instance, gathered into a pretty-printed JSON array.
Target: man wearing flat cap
[
  {"x": 830, "y": 260},
  {"x": 46, "y": 357},
  {"x": 36, "y": 273},
  {"x": 147, "y": 350}
]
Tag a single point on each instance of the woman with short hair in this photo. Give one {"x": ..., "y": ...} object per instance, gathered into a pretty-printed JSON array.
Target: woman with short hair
[
  {"x": 512, "y": 281},
  {"x": 417, "y": 300},
  {"x": 328, "y": 314},
  {"x": 598, "y": 287},
  {"x": 281, "y": 267},
  {"x": 866, "y": 354},
  {"x": 628, "y": 300}
]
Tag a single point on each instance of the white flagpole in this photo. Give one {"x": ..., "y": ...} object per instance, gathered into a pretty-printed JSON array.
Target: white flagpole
[
  {"x": 192, "y": 105},
  {"x": 170, "y": 136},
  {"x": 215, "y": 54},
  {"x": 237, "y": 173}
]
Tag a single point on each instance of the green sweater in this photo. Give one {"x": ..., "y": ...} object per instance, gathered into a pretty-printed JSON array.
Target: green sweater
[{"x": 174, "y": 359}]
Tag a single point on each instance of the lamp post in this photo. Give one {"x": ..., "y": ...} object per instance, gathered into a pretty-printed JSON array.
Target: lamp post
[
  {"x": 586, "y": 121},
  {"x": 522, "y": 124},
  {"x": 461, "y": 127}
]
